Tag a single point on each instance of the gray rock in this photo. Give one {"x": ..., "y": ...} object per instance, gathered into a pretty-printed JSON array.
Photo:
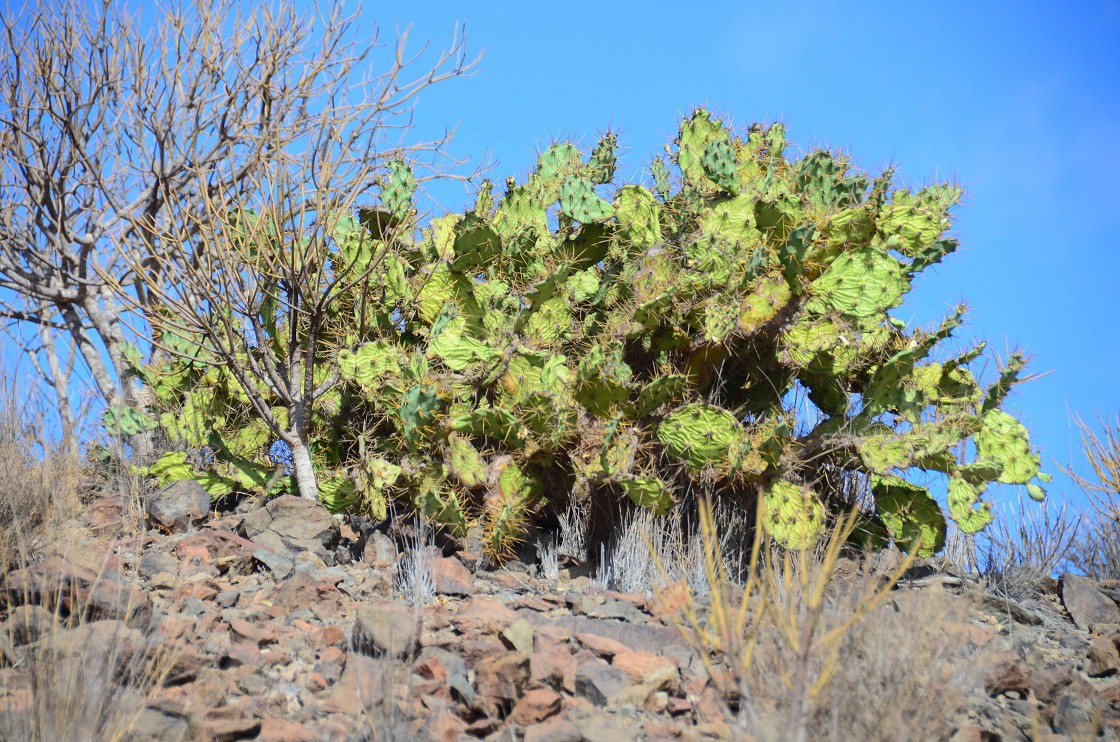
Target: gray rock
[
  {"x": 178, "y": 505},
  {"x": 1076, "y": 716},
  {"x": 1085, "y": 603},
  {"x": 156, "y": 725},
  {"x": 154, "y": 562},
  {"x": 295, "y": 524},
  {"x": 554, "y": 730},
  {"x": 597, "y": 681},
  {"x": 385, "y": 629},
  {"x": 379, "y": 548},
  {"x": 605, "y": 728}
]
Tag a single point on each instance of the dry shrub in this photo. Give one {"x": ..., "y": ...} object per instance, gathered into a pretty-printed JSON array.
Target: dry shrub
[
  {"x": 39, "y": 482},
  {"x": 1027, "y": 546},
  {"x": 900, "y": 671},
  {"x": 817, "y": 645},
  {"x": 1097, "y": 552}
]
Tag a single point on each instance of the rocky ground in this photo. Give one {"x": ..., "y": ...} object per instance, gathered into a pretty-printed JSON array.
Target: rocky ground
[{"x": 283, "y": 623}]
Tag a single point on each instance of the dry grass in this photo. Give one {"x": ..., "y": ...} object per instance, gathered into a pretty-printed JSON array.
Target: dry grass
[
  {"x": 1097, "y": 553},
  {"x": 816, "y": 645},
  {"x": 1026, "y": 546},
  {"x": 63, "y": 675}
]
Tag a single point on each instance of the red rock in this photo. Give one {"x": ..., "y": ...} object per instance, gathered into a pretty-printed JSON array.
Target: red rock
[
  {"x": 669, "y": 600},
  {"x": 601, "y": 645},
  {"x": 641, "y": 666},
  {"x": 485, "y": 613},
  {"x": 661, "y": 729},
  {"x": 451, "y": 577},
  {"x": 283, "y": 730},
  {"x": 553, "y": 665},
  {"x": 678, "y": 706},
  {"x": 443, "y": 726},
  {"x": 502, "y": 678},
  {"x": 327, "y": 636},
  {"x": 430, "y": 668},
  {"x": 536, "y": 706},
  {"x": 1005, "y": 674}
]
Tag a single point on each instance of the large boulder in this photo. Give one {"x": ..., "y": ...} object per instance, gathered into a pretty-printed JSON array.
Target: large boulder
[
  {"x": 178, "y": 505},
  {"x": 294, "y": 524}
]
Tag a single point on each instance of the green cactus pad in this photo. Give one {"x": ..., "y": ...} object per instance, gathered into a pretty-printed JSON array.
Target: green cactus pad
[
  {"x": 476, "y": 244},
  {"x": 917, "y": 220},
  {"x": 418, "y": 412},
  {"x": 720, "y": 165},
  {"x": 696, "y": 134},
  {"x": 578, "y": 201},
  {"x": 792, "y": 515},
  {"x": 559, "y": 161},
  {"x": 661, "y": 391},
  {"x": 1002, "y": 438},
  {"x": 370, "y": 364},
  {"x": 339, "y": 495},
  {"x": 649, "y": 493},
  {"x": 639, "y": 217},
  {"x": 127, "y": 421},
  {"x": 861, "y": 283},
  {"x": 602, "y": 381},
  {"x": 465, "y": 463},
  {"x": 913, "y": 518},
  {"x": 396, "y": 194},
  {"x": 963, "y": 496},
  {"x": 521, "y": 212},
  {"x": 603, "y": 161},
  {"x": 660, "y": 174},
  {"x": 700, "y": 434},
  {"x": 490, "y": 422},
  {"x": 768, "y": 297}
]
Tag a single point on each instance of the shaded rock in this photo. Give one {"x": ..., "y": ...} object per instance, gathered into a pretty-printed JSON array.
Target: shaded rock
[
  {"x": 280, "y": 564},
  {"x": 1103, "y": 658},
  {"x": 293, "y": 523},
  {"x": 154, "y": 724},
  {"x": 1006, "y": 674},
  {"x": 1085, "y": 603},
  {"x": 379, "y": 548},
  {"x": 597, "y": 681},
  {"x": 1076, "y": 715},
  {"x": 178, "y": 505},
  {"x": 154, "y": 562},
  {"x": 385, "y": 629},
  {"x": 78, "y": 591},
  {"x": 502, "y": 678},
  {"x": 27, "y": 624}
]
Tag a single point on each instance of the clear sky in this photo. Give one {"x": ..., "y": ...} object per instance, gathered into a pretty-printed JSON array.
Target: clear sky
[{"x": 1019, "y": 102}]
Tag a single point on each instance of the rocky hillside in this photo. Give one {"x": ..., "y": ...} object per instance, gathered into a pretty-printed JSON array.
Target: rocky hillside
[{"x": 283, "y": 623}]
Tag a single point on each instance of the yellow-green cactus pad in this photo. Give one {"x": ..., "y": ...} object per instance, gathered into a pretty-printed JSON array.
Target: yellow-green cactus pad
[
  {"x": 861, "y": 283},
  {"x": 962, "y": 499},
  {"x": 639, "y": 217},
  {"x": 1003, "y": 438},
  {"x": 700, "y": 434},
  {"x": 464, "y": 462},
  {"x": 649, "y": 493},
  {"x": 792, "y": 515},
  {"x": 913, "y": 518}
]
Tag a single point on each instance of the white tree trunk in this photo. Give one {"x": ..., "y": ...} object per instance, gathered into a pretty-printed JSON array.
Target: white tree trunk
[{"x": 305, "y": 472}]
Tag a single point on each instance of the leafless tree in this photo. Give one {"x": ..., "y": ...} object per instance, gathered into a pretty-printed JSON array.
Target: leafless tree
[{"x": 118, "y": 129}]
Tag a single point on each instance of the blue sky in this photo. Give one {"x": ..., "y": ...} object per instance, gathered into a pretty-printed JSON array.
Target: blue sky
[{"x": 1018, "y": 102}]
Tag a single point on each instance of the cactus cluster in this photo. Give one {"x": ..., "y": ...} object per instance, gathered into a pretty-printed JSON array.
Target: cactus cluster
[{"x": 568, "y": 338}]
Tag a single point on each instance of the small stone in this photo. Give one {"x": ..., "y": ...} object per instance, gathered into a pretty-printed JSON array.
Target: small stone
[
  {"x": 597, "y": 681},
  {"x": 385, "y": 629},
  {"x": 379, "y": 548},
  {"x": 536, "y": 706},
  {"x": 553, "y": 730},
  {"x": 519, "y": 636},
  {"x": 178, "y": 505},
  {"x": 279, "y": 564}
]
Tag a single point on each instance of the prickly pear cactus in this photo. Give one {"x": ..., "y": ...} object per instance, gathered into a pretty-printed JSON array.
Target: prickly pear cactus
[{"x": 736, "y": 332}]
